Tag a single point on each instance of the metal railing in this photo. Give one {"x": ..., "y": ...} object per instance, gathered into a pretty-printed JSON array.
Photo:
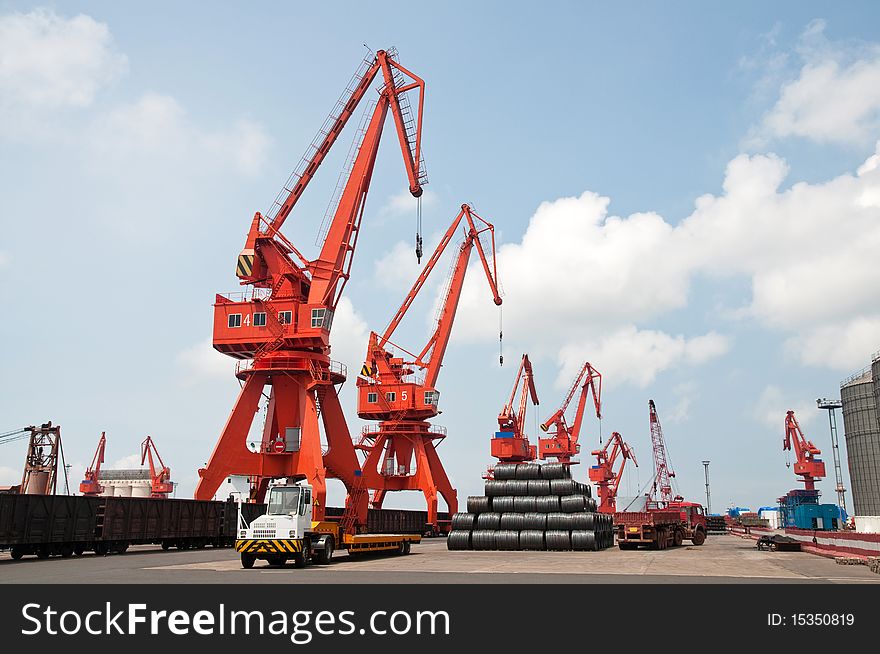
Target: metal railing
[{"x": 861, "y": 373}]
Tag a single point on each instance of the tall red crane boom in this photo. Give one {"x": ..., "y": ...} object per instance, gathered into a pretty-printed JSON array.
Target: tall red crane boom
[
  {"x": 807, "y": 466},
  {"x": 282, "y": 322},
  {"x": 662, "y": 487},
  {"x": 511, "y": 444},
  {"x": 389, "y": 389},
  {"x": 160, "y": 476},
  {"x": 90, "y": 484},
  {"x": 603, "y": 474},
  {"x": 563, "y": 441}
]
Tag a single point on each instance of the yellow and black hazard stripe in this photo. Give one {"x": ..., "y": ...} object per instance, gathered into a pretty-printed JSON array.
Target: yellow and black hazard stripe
[
  {"x": 287, "y": 546},
  {"x": 245, "y": 265},
  {"x": 366, "y": 371}
]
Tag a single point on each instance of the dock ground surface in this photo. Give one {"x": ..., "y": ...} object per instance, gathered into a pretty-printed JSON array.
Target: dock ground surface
[{"x": 723, "y": 559}]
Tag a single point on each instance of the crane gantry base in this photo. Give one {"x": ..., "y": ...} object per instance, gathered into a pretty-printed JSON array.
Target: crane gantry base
[{"x": 302, "y": 393}]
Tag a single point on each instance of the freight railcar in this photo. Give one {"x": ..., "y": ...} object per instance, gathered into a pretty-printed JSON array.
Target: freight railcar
[{"x": 67, "y": 525}]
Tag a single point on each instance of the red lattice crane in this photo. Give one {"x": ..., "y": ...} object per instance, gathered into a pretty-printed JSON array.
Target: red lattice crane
[
  {"x": 511, "y": 444},
  {"x": 562, "y": 444},
  {"x": 603, "y": 473},
  {"x": 399, "y": 388},
  {"x": 808, "y": 467},
  {"x": 663, "y": 475},
  {"x": 282, "y": 321},
  {"x": 161, "y": 485},
  {"x": 90, "y": 484}
]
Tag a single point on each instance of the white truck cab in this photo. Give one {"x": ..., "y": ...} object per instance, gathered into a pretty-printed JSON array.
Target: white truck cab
[{"x": 285, "y": 531}]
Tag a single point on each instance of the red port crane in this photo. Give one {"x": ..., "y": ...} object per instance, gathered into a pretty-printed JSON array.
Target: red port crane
[
  {"x": 400, "y": 389},
  {"x": 662, "y": 488},
  {"x": 604, "y": 475},
  {"x": 808, "y": 467},
  {"x": 282, "y": 321},
  {"x": 511, "y": 444},
  {"x": 161, "y": 485},
  {"x": 89, "y": 484},
  {"x": 562, "y": 444}
]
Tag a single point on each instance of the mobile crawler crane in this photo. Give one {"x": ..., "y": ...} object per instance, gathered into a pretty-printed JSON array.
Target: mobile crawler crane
[
  {"x": 283, "y": 319},
  {"x": 400, "y": 390}
]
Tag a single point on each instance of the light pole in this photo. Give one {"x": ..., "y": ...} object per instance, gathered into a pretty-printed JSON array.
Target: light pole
[
  {"x": 831, "y": 406},
  {"x": 708, "y": 502}
]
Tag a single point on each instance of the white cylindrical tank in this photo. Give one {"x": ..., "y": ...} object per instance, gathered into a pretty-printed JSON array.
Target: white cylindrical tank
[
  {"x": 141, "y": 490},
  {"x": 123, "y": 491}
]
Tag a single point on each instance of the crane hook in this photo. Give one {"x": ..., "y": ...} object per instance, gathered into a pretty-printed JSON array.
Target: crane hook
[{"x": 419, "y": 230}]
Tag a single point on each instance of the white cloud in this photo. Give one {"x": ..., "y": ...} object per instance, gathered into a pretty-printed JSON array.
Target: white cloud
[
  {"x": 157, "y": 126},
  {"x": 772, "y": 405},
  {"x": 48, "y": 61},
  {"x": 202, "y": 362},
  {"x": 686, "y": 394},
  {"x": 349, "y": 336},
  {"x": 634, "y": 356},
  {"x": 404, "y": 204},
  {"x": 126, "y": 463},
  {"x": 397, "y": 269},
  {"x": 9, "y": 476},
  {"x": 583, "y": 281},
  {"x": 835, "y": 96}
]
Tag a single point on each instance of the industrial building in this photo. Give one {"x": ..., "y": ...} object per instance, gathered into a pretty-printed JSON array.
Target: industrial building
[{"x": 859, "y": 395}]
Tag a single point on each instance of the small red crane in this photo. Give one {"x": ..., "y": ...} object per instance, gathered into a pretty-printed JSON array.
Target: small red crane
[
  {"x": 662, "y": 474},
  {"x": 161, "y": 485},
  {"x": 511, "y": 444},
  {"x": 390, "y": 388},
  {"x": 562, "y": 444},
  {"x": 808, "y": 467},
  {"x": 603, "y": 474},
  {"x": 89, "y": 484}
]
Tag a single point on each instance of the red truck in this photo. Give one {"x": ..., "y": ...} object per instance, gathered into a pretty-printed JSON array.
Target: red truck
[{"x": 661, "y": 527}]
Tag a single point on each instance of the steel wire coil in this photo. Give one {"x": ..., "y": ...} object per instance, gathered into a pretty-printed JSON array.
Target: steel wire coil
[
  {"x": 559, "y": 522},
  {"x": 562, "y": 487},
  {"x": 463, "y": 521},
  {"x": 547, "y": 504},
  {"x": 507, "y": 539},
  {"x": 557, "y": 540},
  {"x": 483, "y": 540},
  {"x": 555, "y": 471},
  {"x": 528, "y": 471},
  {"x": 534, "y": 521},
  {"x": 538, "y": 487},
  {"x": 458, "y": 540},
  {"x": 525, "y": 504},
  {"x": 512, "y": 521},
  {"x": 478, "y": 504},
  {"x": 517, "y": 487},
  {"x": 584, "y": 541},
  {"x": 488, "y": 521},
  {"x": 582, "y": 522},
  {"x": 504, "y": 471},
  {"x": 503, "y": 504},
  {"x": 531, "y": 539},
  {"x": 573, "y": 503},
  {"x": 496, "y": 487}
]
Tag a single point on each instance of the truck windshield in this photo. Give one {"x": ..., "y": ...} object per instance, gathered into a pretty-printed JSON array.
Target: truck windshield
[{"x": 283, "y": 501}]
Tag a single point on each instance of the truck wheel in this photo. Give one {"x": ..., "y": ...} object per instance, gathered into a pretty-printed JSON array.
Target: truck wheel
[
  {"x": 248, "y": 560},
  {"x": 66, "y": 551},
  {"x": 626, "y": 546},
  {"x": 699, "y": 537},
  {"x": 16, "y": 554},
  {"x": 326, "y": 554},
  {"x": 78, "y": 550},
  {"x": 678, "y": 538},
  {"x": 406, "y": 547},
  {"x": 299, "y": 560}
]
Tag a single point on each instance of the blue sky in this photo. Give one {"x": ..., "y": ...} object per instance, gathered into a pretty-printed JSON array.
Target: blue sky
[{"x": 685, "y": 195}]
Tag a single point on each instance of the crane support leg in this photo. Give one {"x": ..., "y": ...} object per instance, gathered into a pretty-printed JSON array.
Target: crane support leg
[
  {"x": 439, "y": 481},
  {"x": 231, "y": 455}
]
